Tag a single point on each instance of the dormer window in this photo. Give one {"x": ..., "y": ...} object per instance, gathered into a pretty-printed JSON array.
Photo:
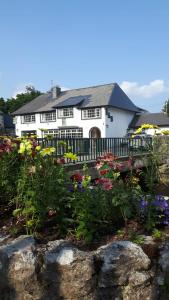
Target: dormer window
[
  {"x": 48, "y": 117},
  {"x": 65, "y": 112},
  {"x": 91, "y": 113},
  {"x": 28, "y": 119}
]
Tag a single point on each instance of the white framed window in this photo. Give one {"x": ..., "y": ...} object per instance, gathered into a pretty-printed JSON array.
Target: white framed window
[
  {"x": 28, "y": 119},
  {"x": 14, "y": 120},
  {"x": 48, "y": 117},
  {"x": 28, "y": 132},
  {"x": 52, "y": 132},
  {"x": 71, "y": 133},
  {"x": 66, "y": 112},
  {"x": 91, "y": 113},
  {"x": 65, "y": 133}
]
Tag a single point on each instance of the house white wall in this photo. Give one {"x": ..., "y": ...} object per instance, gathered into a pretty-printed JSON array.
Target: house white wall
[
  {"x": 75, "y": 121},
  {"x": 121, "y": 120},
  {"x": 116, "y": 128}
]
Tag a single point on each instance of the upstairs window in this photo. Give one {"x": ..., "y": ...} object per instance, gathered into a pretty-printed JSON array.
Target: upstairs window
[
  {"x": 48, "y": 117},
  {"x": 65, "y": 112},
  {"x": 91, "y": 113},
  {"x": 28, "y": 119}
]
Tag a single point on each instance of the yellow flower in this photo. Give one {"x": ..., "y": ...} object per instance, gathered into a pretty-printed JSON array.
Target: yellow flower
[
  {"x": 70, "y": 156},
  {"x": 47, "y": 151},
  {"x": 22, "y": 148},
  {"x": 144, "y": 126},
  {"x": 165, "y": 132},
  {"x": 134, "y": 180},
  {"x": 25, "y": 146},
  {"x": 38, "y": 148}
]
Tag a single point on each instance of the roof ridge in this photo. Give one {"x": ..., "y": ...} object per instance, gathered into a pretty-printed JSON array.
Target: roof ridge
[{"x": 93, "y": 86}]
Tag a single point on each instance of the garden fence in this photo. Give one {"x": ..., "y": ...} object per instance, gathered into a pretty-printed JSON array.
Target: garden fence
[{"x": 88, "y": 149}]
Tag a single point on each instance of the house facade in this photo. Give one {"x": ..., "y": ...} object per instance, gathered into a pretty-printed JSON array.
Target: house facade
[{"x": 100, "y": 111}]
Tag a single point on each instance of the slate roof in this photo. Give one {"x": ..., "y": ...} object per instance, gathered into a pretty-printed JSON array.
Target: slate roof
[
  {"x": 96, "y": 96},
  {"x": 160, "y": 119}
]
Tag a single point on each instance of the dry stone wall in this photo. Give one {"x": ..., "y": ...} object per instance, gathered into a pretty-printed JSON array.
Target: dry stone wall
[{"x": 58, "y": 270}]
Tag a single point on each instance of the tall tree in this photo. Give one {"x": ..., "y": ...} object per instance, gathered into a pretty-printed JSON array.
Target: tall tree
[
  {"x": 13, "y": 104},
  {"x": 3, "y": 105},
  {"x": 166, "y": 107}
]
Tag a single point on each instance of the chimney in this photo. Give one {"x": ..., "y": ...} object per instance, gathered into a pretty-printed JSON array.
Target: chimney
[{"x": 56, "y": 90}]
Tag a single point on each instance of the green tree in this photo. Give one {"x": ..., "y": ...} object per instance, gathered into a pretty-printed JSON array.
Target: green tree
[
  {"x": 13, "y": 104},
  {"x": 2, "y": 105},
  {"x": 166, "y": 107}
]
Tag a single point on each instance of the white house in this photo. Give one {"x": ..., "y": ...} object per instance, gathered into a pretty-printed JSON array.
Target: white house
[
  {"x": 159, "y": 119},
  {"x": 99, "y": 111}
]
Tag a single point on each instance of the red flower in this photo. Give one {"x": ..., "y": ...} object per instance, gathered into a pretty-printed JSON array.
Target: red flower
[
  {"x": 60, "y": 161},
  {"x": 76, "y": 177},
  {"x": 103, "y": 172}
]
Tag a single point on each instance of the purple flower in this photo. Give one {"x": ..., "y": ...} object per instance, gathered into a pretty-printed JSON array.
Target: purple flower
[{"x": 143, "y": 203}]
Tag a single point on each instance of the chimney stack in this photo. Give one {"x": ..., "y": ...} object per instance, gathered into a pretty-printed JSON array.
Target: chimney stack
[{"x": 56, "y": 90}]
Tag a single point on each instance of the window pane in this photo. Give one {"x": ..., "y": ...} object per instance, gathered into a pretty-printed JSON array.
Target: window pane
[
  {"x": 28, "y": 119},
  {"x": 91, "y": 113},
  {"x": 65, "y": 112},
  {"x": 48, "y": 117}
]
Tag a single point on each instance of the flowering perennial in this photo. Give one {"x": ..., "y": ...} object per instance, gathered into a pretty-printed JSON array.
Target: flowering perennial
[{"x": 160, "y": 207}]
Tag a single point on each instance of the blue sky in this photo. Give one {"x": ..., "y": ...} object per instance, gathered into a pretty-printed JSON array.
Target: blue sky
[{"x": 80, "y": 43}]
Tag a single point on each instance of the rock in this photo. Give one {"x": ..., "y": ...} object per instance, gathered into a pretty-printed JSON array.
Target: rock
[
  {"x": 164, "y": 259},
  {"x": 124, "y": 272},
  {"x": 18, "y": 269},
  {"x": 162, "y": 273},
  {"x": 3, "y": 238},
  {"x": 68, "y": 273},
  {"x": 150, "y": 247}
]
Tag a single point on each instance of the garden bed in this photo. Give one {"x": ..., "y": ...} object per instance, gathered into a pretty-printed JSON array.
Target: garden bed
[{"x": 40, "y": 198}]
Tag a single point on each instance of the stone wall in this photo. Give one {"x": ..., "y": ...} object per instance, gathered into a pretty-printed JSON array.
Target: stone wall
[{"x": 58, "y": 270}]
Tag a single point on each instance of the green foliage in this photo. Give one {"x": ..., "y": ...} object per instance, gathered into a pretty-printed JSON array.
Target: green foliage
[
  {"x": 9, "y": 172},
  {"x": 40, "y": 189},
  {"x": 13, "y": 104},
  {"x": 3, "y": 105},
  {"x": 157, "y": 234},
  {"x": 166, "y": 107},
  {"x": 136, "y": 238}
]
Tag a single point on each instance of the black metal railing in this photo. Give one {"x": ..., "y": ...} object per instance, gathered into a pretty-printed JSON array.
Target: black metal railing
[{"x": 89, "y": 149}]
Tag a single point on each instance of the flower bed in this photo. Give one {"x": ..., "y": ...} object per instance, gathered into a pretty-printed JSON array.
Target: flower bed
[{"x": 39, "y": 197}]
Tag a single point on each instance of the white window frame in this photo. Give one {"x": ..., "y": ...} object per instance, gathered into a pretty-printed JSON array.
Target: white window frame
[
  {"x": 27, "y": 119},
  {"x": 53, "y": 132},
  {"x": 91, "y": 113},
  {"x": 66, "y": 112},
  {"x": 65, "y": 133},
  {"x": 48, "y": 117}
]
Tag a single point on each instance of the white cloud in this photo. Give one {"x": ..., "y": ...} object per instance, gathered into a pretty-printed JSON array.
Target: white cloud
[
  {"x": 149, "y": 90},
  {"x": 21, "y": 89},
  {"x": 64, "y": 88}
]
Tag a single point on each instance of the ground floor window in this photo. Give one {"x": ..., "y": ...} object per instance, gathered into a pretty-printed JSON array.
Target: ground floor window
[
  {"x": 28, "y": 132},
  {"x": 65, "y": 133}
]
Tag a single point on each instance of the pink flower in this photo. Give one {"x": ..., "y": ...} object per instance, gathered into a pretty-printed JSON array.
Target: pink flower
[{"x": 107, "y": 186}]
